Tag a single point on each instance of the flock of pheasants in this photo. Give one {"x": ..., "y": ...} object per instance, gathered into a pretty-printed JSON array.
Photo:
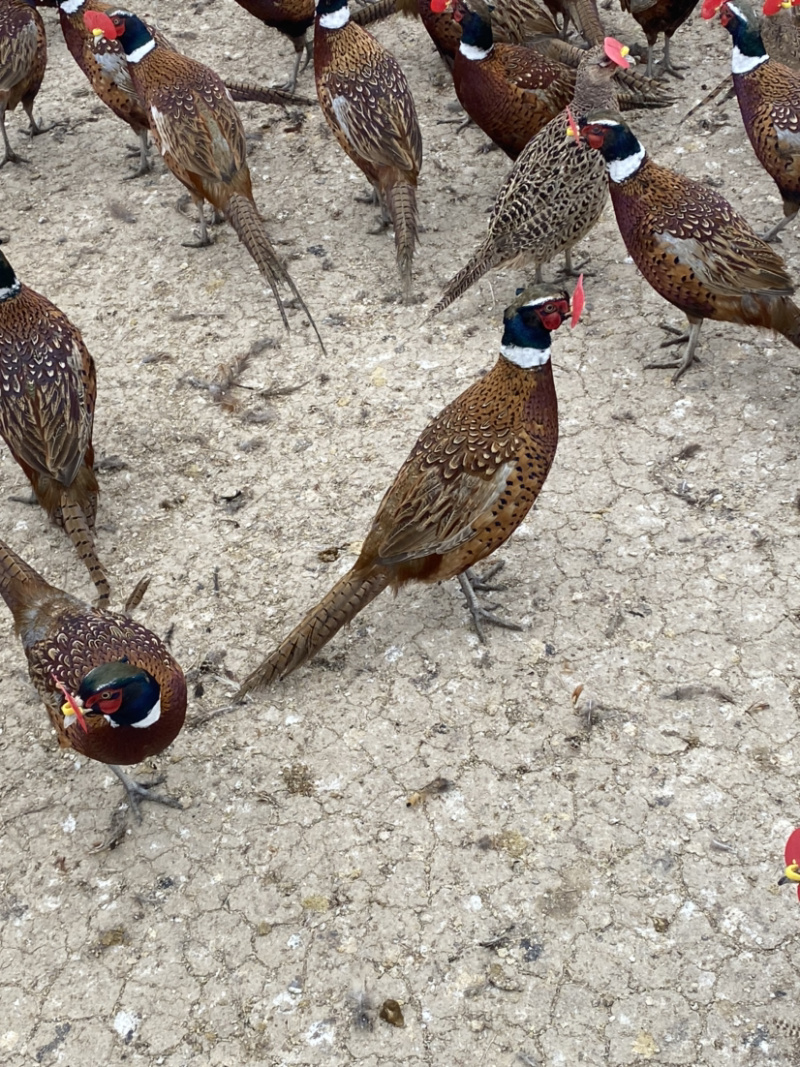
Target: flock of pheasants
[{"x": 112, "y": 690}]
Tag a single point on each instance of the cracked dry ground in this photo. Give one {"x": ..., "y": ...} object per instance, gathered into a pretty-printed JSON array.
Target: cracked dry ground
[{"x": 598, "y": 885}]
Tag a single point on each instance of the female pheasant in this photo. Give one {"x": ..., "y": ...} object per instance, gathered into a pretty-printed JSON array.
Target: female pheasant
[
  {"x": 554, "y": 193},
  {"x": 769, "y": 100},
  {"x": 23, "y": 58},
  {"x": 367, "y": 103},
  {"x": 469, "y": 481},
  {"x": 112, "y": 690},
  {"x": 47, "y": 398},
  {"x": 690, "y": 244},
  {"x": 198, "y": 131}
]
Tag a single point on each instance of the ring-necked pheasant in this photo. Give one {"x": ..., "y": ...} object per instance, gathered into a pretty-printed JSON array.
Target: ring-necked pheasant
[
  {"x": 769, "y": 100},
  {"x": 47, "y": 398},
  {"x": 690, "y": 244},
  {"x": 104, "y": 64},
  {"x": 510, "y": 91},
  {"x": 23, "y": 58},
  {"x": 198, "y": 131},
  {"x": 780, "y": 31},
  {"x": 468, "y": 483},
  {"x": 367, "y": 103},
  {"x": 660, "y": 16},
  {"x": 112, "y": 690},
  {"x": 554, "y": 193}
]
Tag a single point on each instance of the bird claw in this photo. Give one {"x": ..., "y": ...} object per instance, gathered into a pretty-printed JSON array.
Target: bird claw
[
  {"x": 480, "y": 612},
  {"x": 482, "y": 583},
  {"x": 138, "y": 792},
  {"x": 203, "y": 240},
  {"x": 12, "y": 157}
]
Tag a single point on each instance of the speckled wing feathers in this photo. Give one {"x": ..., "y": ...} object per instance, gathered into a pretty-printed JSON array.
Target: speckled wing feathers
[
  {"x": 17, "y": 53},
  {"x": 374, "y": 113}
]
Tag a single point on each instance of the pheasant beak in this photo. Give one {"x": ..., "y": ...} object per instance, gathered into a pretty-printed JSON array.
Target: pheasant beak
[
  {"x": 97, "y": 33},
  {"x": 791, "y": 874},
  {"x": 72, "y": 707}
]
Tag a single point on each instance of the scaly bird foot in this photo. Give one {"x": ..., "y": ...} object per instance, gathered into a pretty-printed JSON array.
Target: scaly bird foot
[
  {"x": 12, "y": 157},
  {"x": 138, "y": 792},
  {"x": 482, "y": 613},
  {"x": 482, "y": 583}
]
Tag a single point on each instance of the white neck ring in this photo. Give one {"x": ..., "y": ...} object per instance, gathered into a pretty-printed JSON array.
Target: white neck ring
[{"x": 525, "y": 357}]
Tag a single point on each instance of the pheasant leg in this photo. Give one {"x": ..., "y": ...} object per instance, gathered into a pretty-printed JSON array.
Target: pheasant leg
[
  {"x": 666, "y": 67},
  {"x": 10, "y": 156},
  {"x": 145, "y": 166},
  {"x": 692, "y": 337},
  {"x": 302, "y": 46},
  {"x": 481, "y": 614},
  {"x": 138, "y": 792},
  {"x": 35, "y": 129},
  {"x": 772, "y": 233},
  {"x": 482, "y": 583},
  {"x": 203, "y": 238}
]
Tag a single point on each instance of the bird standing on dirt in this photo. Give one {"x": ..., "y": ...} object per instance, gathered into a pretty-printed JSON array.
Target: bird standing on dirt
[
  {"x": 690, "y": 244},
  {"x": 104, "y": 64},
  {"x": 660, "y": 16},
  {"x": 554, "y": 193},
  {"x": 780, "y": 31},
  {"x": 468, "y": 483},
  {"x": 292, "y": 18},
  {"x": 510, "y": 91},
  {"x": 47, "y": 399},
  {"x": 23, "y": 58},
  {"x": 769, "y": 100},
  {"x": 112, "y": 690},
  {"x": 198, "y": 131},
  {"x": 367, "y": 103}
]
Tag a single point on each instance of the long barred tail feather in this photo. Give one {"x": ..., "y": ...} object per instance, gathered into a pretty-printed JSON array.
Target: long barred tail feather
[
  {"x": 483, "y": 261},
  {"x": 243, "y": 215},
  {"x": 79, "y": 533},
  {"x": 401, "y": 200},
  {"x": 17, "y": 582},
  {"x": 350, "y": 594}
]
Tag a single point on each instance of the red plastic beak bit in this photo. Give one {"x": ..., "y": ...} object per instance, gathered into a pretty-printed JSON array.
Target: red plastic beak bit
[
  {"x": 616, "y": 52},
  {"x": 578, "y": 300},
  {"x": 76, "y": 710},
  {"x": 98, "y": 20},
  {"x": 573, "y": 125},
  {"x": 710, "y": 8}
]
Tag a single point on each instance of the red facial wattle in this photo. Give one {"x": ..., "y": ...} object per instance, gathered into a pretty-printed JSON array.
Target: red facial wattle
[
  {"x": 594, "y": 138},
  {"x": 98, "y": 20},
  {"x": 107, "y": 702},
  {"x": 552, "y": 320},
  {"x": 578, "y": 301}
]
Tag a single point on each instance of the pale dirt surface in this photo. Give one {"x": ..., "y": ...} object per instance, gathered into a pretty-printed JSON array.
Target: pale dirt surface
[{"x": 627, "y": 850}]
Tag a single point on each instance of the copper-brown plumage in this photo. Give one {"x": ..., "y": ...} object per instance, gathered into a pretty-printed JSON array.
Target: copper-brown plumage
[
  {"x": 553, "y": 195},
  {"x": 200, "y": 135},
  {"x": 23, "y": 58},
  {"x": 103, "y": 62},
  {"x": 47, "y": 400},
  {"x": 64, "y": 640},
  {"x": 510, "y": 91},
  {"x": 660, "y": 16},
  {"x": 468, "y": 483},
  {"x": 367, "y": 103},
  {"x": 690, "y": 244},
  {"x": 769, "y": 100}
]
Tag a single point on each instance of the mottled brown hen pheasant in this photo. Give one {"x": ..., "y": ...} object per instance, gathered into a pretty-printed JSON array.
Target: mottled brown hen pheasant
[
  {"x": 23, "y": 58},
  {"x": 780, "y": 31},
  {"x": 104, "y": 64},
  {"x": 468, "y": 483},
  {"x": 47, "y": 398},
  {"x": 112, "y": 690},
  {"x": 199, "y": 133},
  {"x": 690, "y": 244},
  {"x": 367, "y": 103},
  {"x": 769, "y": 100},
  {"x": 554, "y": 193}
]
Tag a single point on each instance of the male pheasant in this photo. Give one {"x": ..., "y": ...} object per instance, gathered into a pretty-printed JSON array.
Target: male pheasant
[
  {"x": 690, "y": 244},
  {"x": 469, "y": 481},
  {"x": 47, "y": 399},
  {"x": 112, "y": 690}
]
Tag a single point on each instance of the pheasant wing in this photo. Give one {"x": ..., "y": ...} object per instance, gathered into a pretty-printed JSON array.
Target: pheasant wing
[
  {"x": 17, "y": 55},
  {"x": 376, "y": 114},
  {"x": 199, "y": 127}
]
